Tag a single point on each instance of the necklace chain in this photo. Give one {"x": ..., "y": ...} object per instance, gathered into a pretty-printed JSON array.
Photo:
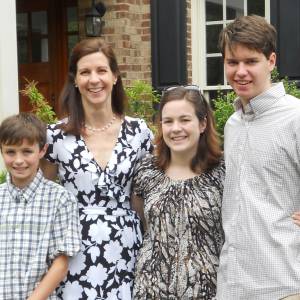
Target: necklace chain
[{"x": 95, "y": 129}]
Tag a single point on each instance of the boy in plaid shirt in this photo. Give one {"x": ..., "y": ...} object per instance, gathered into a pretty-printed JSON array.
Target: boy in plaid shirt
[{"x": 39, "y": 225}]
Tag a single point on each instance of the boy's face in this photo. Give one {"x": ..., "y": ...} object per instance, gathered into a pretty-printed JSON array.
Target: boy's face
[
  {"x": 22, "y": 161},
  {"x": 248, "y": 71}
]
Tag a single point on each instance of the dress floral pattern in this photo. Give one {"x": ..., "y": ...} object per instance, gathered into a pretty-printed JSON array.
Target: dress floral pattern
[
  {"x": 111, "y": 234},
  {"x": 180, "y": 252}
]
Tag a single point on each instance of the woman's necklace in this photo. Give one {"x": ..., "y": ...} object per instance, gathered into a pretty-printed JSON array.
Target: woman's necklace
[{"x": 95, "y": 129}]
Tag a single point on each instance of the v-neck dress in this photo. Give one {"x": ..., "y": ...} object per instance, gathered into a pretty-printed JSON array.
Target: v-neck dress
[
  {"x": 180, "y": 253},
  {"x": 111, "y": 234}
]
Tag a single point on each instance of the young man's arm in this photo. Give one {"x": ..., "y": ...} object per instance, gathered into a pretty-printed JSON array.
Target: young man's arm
[{"x": 52, "y": 278}]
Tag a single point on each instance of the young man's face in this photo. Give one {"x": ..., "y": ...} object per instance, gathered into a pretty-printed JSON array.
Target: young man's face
[
  {"x": 22, "y": 161},
  {"x": 248, "y": 71}
]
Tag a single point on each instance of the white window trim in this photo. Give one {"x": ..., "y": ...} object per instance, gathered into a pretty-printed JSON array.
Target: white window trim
[{"x": 199, "y": 44}]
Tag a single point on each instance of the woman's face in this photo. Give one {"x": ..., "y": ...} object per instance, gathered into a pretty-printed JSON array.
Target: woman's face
[
  {"x": 181, "y": 128},
  {"x": 95, "y": 80}
]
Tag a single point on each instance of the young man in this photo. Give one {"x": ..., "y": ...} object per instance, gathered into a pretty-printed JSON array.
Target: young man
[
  {"x": 39, "y": 226},
  {"x": 260, "y": 259}
]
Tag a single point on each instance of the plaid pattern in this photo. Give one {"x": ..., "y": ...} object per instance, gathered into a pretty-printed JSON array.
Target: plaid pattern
[
  {"x": 260, "y": 259},
  {"x": 36, "y": 224}
]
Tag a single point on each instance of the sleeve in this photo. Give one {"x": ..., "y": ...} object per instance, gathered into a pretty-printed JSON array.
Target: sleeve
[
  {"x": 146, "y": 139},
  {"x": 51, "y": 137},
  {"x": 65, "y": 237},
  {"x": 140, "y": 175}
]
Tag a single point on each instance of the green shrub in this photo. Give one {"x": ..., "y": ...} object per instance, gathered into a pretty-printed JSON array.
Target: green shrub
[
  {"x": 2, "y": 176},
  {"x": 40, "y": 106},
  {"x": 142, "y": 99},
  {"x": 223, "y": 109}
]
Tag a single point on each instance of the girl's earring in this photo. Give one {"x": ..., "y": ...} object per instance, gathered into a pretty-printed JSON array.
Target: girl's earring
[{"x": 75, "y": 85}]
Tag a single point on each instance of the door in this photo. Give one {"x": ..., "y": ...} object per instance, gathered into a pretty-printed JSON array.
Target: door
[{"x": 46, "y": 31}]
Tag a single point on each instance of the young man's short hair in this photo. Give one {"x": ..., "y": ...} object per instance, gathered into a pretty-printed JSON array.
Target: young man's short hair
[
  {"x": 23, "y": 126},
  {"x": 253, "y": 31}
]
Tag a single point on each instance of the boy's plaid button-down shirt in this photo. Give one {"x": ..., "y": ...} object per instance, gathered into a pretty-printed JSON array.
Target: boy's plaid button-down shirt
[{"x": 37, "y": 224}]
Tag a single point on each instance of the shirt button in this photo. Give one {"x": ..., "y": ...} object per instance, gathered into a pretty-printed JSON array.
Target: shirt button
[{"x": 231, "y": 248}]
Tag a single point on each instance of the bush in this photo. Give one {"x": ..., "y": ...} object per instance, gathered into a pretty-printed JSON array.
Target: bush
[
  {"x": 2, "y": 176},
  {"x": 142, "y": 99},
  {"x": 40, "y": 106},
  {"x": 223, "y": 109}
]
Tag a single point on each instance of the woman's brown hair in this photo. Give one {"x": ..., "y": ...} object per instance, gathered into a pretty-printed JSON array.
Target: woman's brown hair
[
  {"x": 208, "y": 151},
  {"x": 70, "y": 98}
]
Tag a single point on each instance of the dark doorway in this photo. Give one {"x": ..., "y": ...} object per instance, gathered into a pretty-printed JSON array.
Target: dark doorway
[{"x": 46, "y": 31}]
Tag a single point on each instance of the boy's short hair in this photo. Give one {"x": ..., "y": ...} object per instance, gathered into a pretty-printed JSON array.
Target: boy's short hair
[
  {"x": 253, "y": 31},
  {"x": 23, "y": 126}
]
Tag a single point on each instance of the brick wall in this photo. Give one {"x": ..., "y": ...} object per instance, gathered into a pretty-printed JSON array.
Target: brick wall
[{"x": 127, "y": 29}]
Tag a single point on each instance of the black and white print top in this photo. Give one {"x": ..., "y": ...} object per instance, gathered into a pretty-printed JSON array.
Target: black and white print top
[
  {"x": 180, "y": 252},
  {"x": 79, "y": 172}
]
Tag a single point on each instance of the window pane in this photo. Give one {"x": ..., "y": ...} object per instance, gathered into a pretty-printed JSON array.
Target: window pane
[
  {"x": 72, "y": 19},
  {"x": 22, "y": 34},
  {"x": 22, "y": 24},
  {"x": 212, "y": 37},
  {"x": 39, "y": 22},
  {"x": 214, "y": 71},
  {"x": 235, "y": 8},
  {"x": 214, "y": 10},
  {"x": 256, "y": 7},
  {"x": 72, "y": 40},
  {"x": 22, "y": 51},
  {"x": 39, "y": 49}
]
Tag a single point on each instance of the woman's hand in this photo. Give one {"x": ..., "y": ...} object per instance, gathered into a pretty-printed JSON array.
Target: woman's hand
[{"x": 296, "y": 218}]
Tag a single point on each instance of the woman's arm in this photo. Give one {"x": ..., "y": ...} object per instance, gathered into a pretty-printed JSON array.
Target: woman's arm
[
  {"x": 49, "y": 169},
  {"x": 137, "y": 204},
  {"x": 52, "y": 278},
  {"x": 296, "y": 218}
]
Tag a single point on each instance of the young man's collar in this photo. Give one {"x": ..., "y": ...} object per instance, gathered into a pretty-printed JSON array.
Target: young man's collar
[{"x": 263, "y": 101}]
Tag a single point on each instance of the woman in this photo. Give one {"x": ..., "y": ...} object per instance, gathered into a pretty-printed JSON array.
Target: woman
[
  {"x": 180, "y": 188},
  {"x": 93, "y": 151}
]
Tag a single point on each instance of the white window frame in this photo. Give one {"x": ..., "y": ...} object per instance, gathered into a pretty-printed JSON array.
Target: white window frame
[{"x": 199, "y": 54}]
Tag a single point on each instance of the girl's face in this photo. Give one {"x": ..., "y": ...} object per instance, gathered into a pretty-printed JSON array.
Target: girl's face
[
  {"x": 181, "y": 128},
  {"x": 95, "y": 80}
]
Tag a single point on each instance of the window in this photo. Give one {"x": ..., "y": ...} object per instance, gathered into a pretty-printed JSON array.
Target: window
[
  {"x": 32, "y": 32},
  {"x": 208, "y": 19}
]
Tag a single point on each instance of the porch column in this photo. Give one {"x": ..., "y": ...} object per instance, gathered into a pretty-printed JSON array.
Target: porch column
[{"x": 9, "y": 99}]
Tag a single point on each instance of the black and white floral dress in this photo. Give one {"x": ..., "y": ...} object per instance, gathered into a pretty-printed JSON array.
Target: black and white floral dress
[
  {"x": 111, "y": 233},
  {"x": 180, "y": 252}
]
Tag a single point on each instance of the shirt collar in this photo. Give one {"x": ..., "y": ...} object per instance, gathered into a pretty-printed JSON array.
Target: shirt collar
[
  {"x": 261, "y": 102},
  {"x": 26, "y": 194}
]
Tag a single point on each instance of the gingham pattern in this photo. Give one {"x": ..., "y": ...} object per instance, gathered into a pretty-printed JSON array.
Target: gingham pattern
[
  {"x": 36, "y": 224},
  {"x": 261, "y": 256}
]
